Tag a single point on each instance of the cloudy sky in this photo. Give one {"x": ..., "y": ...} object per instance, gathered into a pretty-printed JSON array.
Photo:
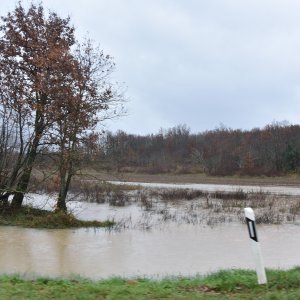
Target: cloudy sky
[{"x": 196, "y": 62}]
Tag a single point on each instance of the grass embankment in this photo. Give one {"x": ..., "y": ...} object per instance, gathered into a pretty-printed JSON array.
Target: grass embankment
[
  {"x": 237, "y": 284},
  {"x": 38, "y": 218}
]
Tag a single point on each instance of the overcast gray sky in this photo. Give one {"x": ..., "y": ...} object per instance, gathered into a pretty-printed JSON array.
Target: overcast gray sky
[{"x": 196, "y": 62}]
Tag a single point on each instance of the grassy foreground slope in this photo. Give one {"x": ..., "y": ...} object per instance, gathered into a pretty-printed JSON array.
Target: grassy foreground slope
[{"x": 238, "y": 284}]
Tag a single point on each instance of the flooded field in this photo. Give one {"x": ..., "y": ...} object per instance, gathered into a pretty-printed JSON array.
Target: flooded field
[
  {"x": 286, "y": 190},
  {"x": 158, "y": 232}
]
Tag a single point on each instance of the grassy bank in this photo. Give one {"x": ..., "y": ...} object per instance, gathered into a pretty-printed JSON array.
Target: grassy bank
[
  {"x": 237, "y": 284},
  {"x": 38, "y": 218}
]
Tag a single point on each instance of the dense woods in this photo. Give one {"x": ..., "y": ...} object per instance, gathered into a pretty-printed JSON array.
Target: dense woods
[{"x": 272, "y": 150}]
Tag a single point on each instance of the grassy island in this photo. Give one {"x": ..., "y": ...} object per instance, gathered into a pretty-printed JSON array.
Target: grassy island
[{"x": 38, "y": 218}]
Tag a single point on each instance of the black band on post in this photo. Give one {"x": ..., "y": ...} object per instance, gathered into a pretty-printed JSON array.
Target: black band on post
[{"x": 251, "y": 229}]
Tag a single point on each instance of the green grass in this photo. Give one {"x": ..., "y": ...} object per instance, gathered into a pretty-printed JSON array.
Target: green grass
[
  {"x": 38, "y": 218},
  {"x": 238, "y": 284}
]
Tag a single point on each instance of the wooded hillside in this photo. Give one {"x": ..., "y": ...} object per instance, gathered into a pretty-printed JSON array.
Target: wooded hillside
[{"x": 272, "y": 150}]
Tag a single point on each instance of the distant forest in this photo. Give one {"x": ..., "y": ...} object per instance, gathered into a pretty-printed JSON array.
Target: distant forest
[{"x": 272, "y": 150}]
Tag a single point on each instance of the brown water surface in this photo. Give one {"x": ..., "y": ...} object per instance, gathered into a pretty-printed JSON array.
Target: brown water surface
[
  {"x": 181, "y": 245},
  {"x": 174, "y": 250}
]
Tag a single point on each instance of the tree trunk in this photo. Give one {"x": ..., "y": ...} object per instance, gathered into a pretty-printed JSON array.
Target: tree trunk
[
  {"x": 31, "y": 156},
  {"x": 4, "y": 205},
  {"x": 24, "y": 179},
  {"x": 65, "y": 180},
  {"x": 22, "y": 186},
  {"x": 61, "y": 202}
]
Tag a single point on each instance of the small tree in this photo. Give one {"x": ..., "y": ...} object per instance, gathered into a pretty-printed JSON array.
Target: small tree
[{"x": 88, "y": 98}]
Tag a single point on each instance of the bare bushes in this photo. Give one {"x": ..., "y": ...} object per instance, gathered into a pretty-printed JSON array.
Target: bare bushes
[
  {"x": 99, "y": 192},
  {"x": 295, "y": 208},
  {"x": 237, "y": 195},
  {"x": 181, "y": 194},
  {"x": 270, "y": 217},
  {"x": 190, "y": 194},
  {"x": 187, "y": 206},
  {"x": 117, "y": 198},
  {"x": 89, "y": 191},
  {"x": 103, "y": 193},
  {"x": 145, "y": 200},
  {"x": 43, "y": 183},
  {"x": 219, "y": 207}
]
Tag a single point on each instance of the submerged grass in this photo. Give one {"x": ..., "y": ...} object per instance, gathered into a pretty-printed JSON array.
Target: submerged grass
[
  {"x": 237, "y": 284},
  {"x": 181, "y": 194},
  {"x": 37, "y": 218}
]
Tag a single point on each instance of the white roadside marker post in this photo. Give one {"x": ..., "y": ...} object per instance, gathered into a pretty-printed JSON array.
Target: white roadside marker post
[{"x": 259, "y": 264}]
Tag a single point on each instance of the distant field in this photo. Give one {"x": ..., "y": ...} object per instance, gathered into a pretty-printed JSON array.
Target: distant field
[{"x": 288, "y": 180}]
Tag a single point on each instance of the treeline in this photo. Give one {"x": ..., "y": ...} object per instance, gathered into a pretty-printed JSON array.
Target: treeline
[{"x": 272, "y": 150}]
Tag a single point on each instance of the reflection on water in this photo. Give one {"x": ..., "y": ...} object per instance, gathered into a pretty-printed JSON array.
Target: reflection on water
[{"x": 184, "y": 250}]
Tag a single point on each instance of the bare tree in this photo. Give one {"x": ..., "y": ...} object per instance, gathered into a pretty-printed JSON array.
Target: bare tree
[
  {"x": 87, "y": 99},
  {"x": 56, "y": 89},
  {"x": 33, "y": 50},
  {"x": 13, "y": 145}
]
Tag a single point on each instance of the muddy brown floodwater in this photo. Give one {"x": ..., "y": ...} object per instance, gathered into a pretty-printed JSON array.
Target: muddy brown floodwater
[
  {"x": 173, "y": 247},
  {"x": 183, "y": 250}
]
